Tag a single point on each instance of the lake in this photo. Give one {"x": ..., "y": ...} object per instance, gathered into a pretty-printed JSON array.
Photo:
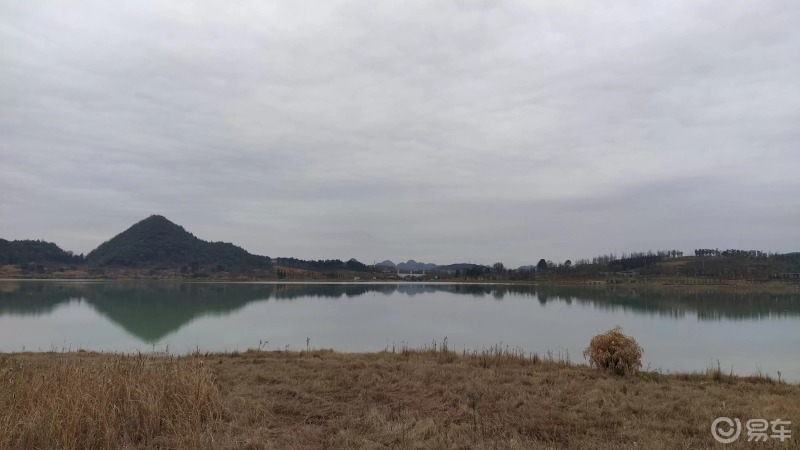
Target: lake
[{"x": 679, "y": 330}]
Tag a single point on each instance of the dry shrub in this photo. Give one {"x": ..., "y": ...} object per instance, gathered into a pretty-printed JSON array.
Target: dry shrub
[
  {"x": 129, "y": 401},
  {"x": 614, "y": 351}
]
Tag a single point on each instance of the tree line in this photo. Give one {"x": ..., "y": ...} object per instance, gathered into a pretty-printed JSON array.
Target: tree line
[{"x": 712, "y": 263}]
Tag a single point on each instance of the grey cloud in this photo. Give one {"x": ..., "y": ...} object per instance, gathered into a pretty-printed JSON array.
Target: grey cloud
[{"x": 442, "y": 131}]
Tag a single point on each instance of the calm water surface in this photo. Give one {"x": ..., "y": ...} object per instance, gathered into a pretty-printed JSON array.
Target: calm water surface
[{"x": 678, "y": 331}]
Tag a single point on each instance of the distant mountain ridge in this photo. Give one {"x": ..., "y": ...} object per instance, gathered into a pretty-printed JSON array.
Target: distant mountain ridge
[
  {"x": 157, "y": 246},
  {"x": 408, "y": 265},
  {"x": 415, "y": 265},
  {"x": 156, "y": 241}
]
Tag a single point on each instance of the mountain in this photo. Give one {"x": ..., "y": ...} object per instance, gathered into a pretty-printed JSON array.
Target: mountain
[
  {"x": 414, "y": 265},
  {"x": 157, "y": 242},
  {"x": 28, "y": 251},
  {"x": 462, "y": 266}
]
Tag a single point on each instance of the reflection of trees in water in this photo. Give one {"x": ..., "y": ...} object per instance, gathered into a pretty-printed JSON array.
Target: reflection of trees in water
[
  {"x": 708, "y": 305},
  {"x": 152, "y": 310},
  {"x": 291, "y": 291},
  {"x": 34, "y": 298}
]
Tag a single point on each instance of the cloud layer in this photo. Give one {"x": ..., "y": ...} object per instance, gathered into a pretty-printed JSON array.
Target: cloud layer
[{"x": 440, "y": 131}]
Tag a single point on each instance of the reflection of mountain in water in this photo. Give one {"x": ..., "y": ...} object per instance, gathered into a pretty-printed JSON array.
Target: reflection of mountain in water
[
  {"x": 152, "y": 310},
  {"x": 148, "y": 310}
]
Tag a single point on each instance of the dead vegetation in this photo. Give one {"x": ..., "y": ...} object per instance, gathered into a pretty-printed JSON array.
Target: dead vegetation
[
  {"x": 82, "y": 401},
  {"x": 614, "y": 351},
  {"x": 400, "y": 398}
]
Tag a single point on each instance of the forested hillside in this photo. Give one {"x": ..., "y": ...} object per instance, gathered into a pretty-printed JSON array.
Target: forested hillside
[
  {"x": 156, "y": 241},
  {"x": 29, "y": 251}
]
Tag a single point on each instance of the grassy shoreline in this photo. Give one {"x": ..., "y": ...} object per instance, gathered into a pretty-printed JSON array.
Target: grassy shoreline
[{"x": 430, "y": 398}]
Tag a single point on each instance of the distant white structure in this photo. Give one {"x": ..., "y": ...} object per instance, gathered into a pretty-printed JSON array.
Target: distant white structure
[{"x": 411, "y": 274}]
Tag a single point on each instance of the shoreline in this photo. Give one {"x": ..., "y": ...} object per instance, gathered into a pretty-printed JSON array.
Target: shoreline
[
  {"x": 493, "y": 353},
  {"x": 707, "y": 285}
]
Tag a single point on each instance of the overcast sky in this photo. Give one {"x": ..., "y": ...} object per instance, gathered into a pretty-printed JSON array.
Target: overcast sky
[{"x": 443, "y": 131}]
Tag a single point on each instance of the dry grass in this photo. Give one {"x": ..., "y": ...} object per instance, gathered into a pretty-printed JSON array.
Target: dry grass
[
  {"x": 614, "y": 351},
  {"x": 430, "y": 398},
  {"x": 10, "y": 271},
  {"x": 84, "y": 402}
]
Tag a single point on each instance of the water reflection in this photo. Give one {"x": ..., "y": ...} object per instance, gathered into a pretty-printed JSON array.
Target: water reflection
[{"x": 151, "y": 310}]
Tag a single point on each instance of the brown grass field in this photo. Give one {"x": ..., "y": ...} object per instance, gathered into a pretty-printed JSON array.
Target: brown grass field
[{"x": 430, "y": 398}]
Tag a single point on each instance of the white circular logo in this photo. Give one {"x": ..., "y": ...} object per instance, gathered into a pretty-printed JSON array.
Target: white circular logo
[{"x": 728, "y": 432}]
